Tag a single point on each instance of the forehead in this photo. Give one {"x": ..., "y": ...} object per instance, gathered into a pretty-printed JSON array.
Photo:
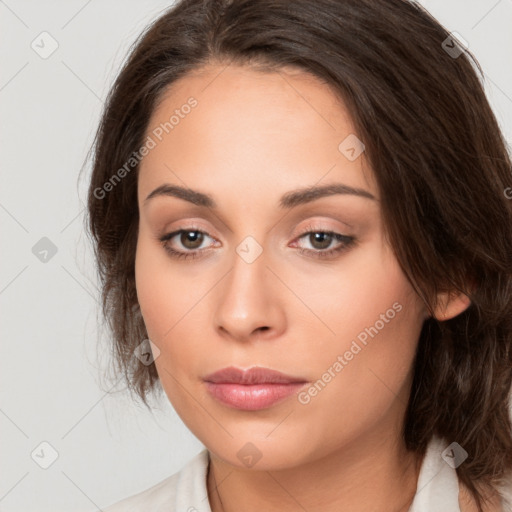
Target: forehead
[{"x": 280, "y": 128}]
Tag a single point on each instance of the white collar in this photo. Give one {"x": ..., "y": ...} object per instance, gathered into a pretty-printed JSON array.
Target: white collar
[
  {"x": 186, "y": 490},
  {"x": 437, "y": 487}
]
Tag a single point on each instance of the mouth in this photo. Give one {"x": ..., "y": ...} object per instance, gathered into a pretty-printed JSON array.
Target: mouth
[{"x": 253, "y": 389}]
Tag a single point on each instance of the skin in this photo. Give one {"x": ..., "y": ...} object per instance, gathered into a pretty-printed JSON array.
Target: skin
[{"x": 253, "y": 137}]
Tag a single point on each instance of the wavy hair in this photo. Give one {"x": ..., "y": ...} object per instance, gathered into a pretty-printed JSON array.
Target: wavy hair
[{"x": 417, "y": 101}]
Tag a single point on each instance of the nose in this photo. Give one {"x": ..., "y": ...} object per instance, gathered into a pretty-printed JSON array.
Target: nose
[{"x": 249, "y": 301}]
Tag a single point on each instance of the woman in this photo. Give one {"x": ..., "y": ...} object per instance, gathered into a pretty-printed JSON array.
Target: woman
[{"x": 302, "y": 225}]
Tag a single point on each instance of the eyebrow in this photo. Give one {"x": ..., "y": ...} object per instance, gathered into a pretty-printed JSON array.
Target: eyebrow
[{"x": 288, "y": 200}]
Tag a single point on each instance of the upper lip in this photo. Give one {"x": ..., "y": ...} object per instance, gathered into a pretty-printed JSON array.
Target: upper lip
[{"x": 255, "y": 375}]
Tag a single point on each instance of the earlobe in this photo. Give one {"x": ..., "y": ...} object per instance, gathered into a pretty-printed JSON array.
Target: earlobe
[{"x": 450, "y": 304}]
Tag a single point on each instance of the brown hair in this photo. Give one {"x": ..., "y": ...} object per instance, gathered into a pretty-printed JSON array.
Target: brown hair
[{"x": 441, "y": 164}]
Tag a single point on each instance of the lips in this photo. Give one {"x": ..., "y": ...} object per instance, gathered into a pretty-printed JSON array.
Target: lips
[
  {"x": 255, "y": 375},
  {"x": 253, "y": 389}
]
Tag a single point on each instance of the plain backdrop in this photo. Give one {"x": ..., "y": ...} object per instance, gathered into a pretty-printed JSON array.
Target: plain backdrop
[{"x": 53, "y": 407}]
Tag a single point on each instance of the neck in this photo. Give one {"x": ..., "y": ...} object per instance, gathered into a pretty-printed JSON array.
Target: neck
[{"x": 370, "y": 474}]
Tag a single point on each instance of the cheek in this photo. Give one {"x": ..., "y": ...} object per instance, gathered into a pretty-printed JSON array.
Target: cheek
[
  {"x": 377, "y": 319},
  {"x": 161, "y": 294},
  {"x": 154, "y": 305},
  {"x": 161, "y": 298},
  {"x": 170, "y": 305},
  {"x": 366, "y": 297},
  {"x": 366, "y": 288}
]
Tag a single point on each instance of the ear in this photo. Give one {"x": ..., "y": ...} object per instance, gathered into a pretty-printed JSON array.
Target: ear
[{"x": 450, "y": 304}]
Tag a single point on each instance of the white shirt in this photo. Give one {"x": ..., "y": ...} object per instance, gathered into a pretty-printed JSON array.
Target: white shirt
[{"x": 185, "y": 491}]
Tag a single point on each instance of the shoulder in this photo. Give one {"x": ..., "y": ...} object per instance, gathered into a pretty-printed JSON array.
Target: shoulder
[
  {"x": 439, "y": 487},
  {"x": 165, "y": 489},
  {"x": 186, "y": 486},
  {"x": 492, "y": 503}
]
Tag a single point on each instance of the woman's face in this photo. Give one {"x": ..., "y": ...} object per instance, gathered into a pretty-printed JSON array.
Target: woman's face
[{"x": 252, "y": 288}]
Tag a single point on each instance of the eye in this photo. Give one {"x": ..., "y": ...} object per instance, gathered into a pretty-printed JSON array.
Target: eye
[
  {"x": 321, "y": 240},
  {"x": 190, "y": 239}
]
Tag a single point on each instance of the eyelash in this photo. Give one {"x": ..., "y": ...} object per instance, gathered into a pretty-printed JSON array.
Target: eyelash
[{"x": 346, "y": 242}]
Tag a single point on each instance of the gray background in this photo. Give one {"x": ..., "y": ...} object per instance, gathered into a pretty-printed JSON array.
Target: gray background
[{"x": 52, "y": 357}]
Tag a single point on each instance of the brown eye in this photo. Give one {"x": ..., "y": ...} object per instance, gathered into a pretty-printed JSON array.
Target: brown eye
[
  {"x": 320, "y": 240},
  {"x": 191, "y": 239},
  {"x": 185, "y": 243},
  {"x": 325, "y": 244}
]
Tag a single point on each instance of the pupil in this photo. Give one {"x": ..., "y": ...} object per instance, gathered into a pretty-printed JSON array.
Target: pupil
[
  {"x": 191, "y": 239},
  {"x": 323, "y": 238}
]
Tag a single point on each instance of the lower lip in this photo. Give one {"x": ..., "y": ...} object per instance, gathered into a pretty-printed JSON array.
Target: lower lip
[{"x": 252, "y": 397}]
